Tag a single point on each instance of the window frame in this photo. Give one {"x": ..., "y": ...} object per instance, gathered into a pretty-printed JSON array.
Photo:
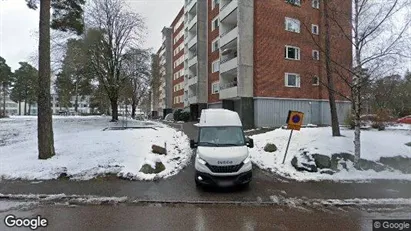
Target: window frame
[
  {"x": 214, "y": 4},
  {"x": 287, "y": 19},
  {"x": 213, "y": 49},
  {"x": 317, "y": 83},
  {"x": 315, "y": 26},
  {"x": 212, "y": 66},
  {"x": 315, "y": 4},
  {"x": 286, "y": 52},
  {"x": 318, "y": 54},
  {"x": 213, "y": 26},
  {"x": 297, "y": 80},
  {"x": 217, "y": 85}
]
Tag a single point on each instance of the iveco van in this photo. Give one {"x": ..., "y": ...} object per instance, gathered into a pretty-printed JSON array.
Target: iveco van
[{"x": 222, "y": 157}]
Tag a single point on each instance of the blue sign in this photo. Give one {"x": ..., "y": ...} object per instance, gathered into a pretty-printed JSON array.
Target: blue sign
[{"x": 296, "y": 119}]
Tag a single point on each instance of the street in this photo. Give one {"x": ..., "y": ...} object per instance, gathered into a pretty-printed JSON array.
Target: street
[{"x": 270, "y": 203}]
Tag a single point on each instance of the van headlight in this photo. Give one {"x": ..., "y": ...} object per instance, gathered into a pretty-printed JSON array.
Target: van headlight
[
  {"x": 201, "y": 161},
  {"x": 247, "y": 160}
]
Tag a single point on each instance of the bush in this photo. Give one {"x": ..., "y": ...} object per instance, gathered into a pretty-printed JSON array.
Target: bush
[
  {"x": 378, "y": 125},
  {"x": 349, "y": 121},
  {"x": 177, "y": 114},
  {"x": 180, "y": 115}
]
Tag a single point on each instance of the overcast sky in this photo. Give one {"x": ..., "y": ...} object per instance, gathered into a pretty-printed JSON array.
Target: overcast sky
[{"x": 19, "y": 24}]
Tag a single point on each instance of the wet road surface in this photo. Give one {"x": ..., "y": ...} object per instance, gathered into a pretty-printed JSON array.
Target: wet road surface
[
  {"x": 181, "y": 187},
  {"x": 157, "y": 217}
]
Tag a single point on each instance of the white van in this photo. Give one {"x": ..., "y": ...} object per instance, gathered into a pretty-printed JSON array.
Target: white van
[{"x": 222, "y": 157}]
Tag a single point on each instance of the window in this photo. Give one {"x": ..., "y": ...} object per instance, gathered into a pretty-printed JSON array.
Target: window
[
  {"x": 316, "y": 55},
  {"x": 215, "y": 24},
  {"x": 292, "y": 25},
  {"x": 294, "y": 2},
  {"x": 314, "y": 29},
  {"x": 214, "y": 3},
  {"x": 215, "y": 87},
  {"x": 292, "y": 80},
  {"x": 316, "y": 4},
  {"x": 292, "y": 53},
  {"x": 316, "y": 81},
  {"x": 216, "y": 66},
  {"x": 215, "y": 45}
]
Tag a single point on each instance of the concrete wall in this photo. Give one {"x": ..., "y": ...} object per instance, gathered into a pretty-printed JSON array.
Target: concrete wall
[
  {"x": 245, "y": 47},
  {"x": 202, "y": 55},
  {"x": 169, "y": 66},
  {"x": 273, "y": 111}
]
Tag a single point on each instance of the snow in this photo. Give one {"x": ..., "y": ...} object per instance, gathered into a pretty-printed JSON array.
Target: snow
[
  {"x": 84, "y": 150},
  {"x": 12, "y": 205},
  {"x": 374, "y": 144}
]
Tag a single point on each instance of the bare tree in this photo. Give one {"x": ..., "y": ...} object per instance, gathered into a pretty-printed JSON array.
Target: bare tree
[
  {"x": 120, "y": 30},
  {"x": 379, "y": 36}
]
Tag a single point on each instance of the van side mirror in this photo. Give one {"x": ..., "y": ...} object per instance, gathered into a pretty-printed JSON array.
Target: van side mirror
[
  {"x": 193, "y": 144},
  {"x": 250, "y": 143}
]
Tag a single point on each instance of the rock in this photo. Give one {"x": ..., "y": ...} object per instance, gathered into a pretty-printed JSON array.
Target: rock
[
  {"x": 400, "y": 163},
  {"x": 147, "y": 169},
  {"x": 327, "y": 171},
  {"x": 158, "y": 150},
  {"x": 322, "y": 161},
  {"x": 408, "y": 144},
  {"x": 269, "y": 147},
  {"x": 364, "y": 164},
  {"x": 304, "y": 162},
  {"x": 335, "y": 158}
]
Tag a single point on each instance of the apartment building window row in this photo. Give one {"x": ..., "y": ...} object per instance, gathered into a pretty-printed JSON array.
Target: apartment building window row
[
  {"x": 178, "y": 24},
  {"x": 294, "y": 53},
  {"x": 179, "y": 86},
  {"x": 178, "y": 99},
  {"x": 178, "y": 74},
  {"x": 178, "y": 61},
  {"x": 294, "y": 80},
  {"x": 179, "y": 48},
  {"x": 178, "y": 36}
]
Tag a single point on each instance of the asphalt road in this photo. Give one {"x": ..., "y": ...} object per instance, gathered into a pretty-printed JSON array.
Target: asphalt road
[{"x": 125, "y": 217}]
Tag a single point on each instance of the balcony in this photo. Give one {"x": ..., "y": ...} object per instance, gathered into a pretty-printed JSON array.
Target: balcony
[
  {"x": 192, "y": 61},
  {"x": 192, "y": 42},
  {"x": 228, "y": 36},
  {"x": 228, "y": 65},
  {"x": 192, "y": 23},
  {"x": 227, "y": 9},
  {"x": 191, "y": 81},
  {"x": 228, "y": 90},
  {"x": 192, "y": 99},
  {"x": 190, "y": 5}
]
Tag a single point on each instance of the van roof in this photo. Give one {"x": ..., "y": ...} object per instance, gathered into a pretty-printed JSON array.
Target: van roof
[{"x": 219, "y": 117}]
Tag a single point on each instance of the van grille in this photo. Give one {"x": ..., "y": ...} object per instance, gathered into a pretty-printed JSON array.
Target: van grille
[{"x": 225, "y": 169}]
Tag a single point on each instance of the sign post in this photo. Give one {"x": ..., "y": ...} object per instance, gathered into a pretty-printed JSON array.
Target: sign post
[{"x": 294, "y": 122}]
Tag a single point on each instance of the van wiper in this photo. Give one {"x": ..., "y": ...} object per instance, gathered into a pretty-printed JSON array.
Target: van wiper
[
  {"x": 231, "y": 144},
  {"x": 208, "y": 144}
]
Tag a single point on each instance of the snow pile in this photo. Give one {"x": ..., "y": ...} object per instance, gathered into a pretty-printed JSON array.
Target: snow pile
[
  {"x": 375, "y": 144},
  {"x": 84, "y": 150}
]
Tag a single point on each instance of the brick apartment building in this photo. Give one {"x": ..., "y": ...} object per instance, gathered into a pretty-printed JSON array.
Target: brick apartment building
[
  {"x": 178, "y": 60},
  {"x": 261, "y": 59}
]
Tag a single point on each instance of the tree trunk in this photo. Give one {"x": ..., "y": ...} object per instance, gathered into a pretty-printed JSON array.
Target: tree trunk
[
  {"x": 114, "y": 110},
  {"x": 133, "y": 109},
  {"x": 356, "y": 88},
  {"x": 19, "y": 107},
  {"x": 76, "y": 101},
  {"x": 29, "y": 108},
  {"x": 25, "y": 107},
  {"x": 335, "y": 126},
  {"x": 4, "y": 99},
  {"x": 44, "y": 118}
]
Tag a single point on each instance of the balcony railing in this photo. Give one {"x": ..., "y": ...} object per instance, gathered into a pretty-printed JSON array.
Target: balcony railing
[
  {"x": 228, "y": 85},
  {"x": 225, "y": 5},
  {"x": 226, "y": 59}
]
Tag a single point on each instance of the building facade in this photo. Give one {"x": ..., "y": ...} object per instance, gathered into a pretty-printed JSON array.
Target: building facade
[
  {"x": 178, "y": 61},
  {"x": 262, "y": 59}
]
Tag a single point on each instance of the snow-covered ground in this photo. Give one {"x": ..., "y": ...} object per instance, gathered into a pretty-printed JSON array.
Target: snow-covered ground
[
  {"x": 374, "y": 144},
  {"x": 84, "y": 150}
]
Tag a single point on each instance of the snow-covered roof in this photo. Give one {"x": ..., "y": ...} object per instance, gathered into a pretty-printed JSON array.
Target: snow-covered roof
[{"x": 218, "y": 117}]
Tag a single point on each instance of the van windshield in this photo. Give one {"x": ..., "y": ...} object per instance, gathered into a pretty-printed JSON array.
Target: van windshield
[{"x": 221, "y": 136}]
